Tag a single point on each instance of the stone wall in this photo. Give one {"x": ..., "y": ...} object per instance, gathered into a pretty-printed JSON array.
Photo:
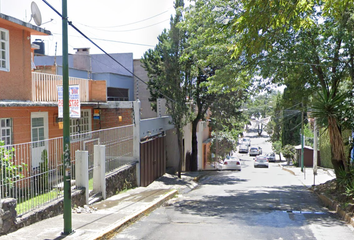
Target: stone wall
[
  {"x": 121, "y": 179},
  {"x": 8, "y": 215}
]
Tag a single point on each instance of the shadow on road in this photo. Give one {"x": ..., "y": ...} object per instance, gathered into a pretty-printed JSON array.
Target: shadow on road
[
  {"x": 225, "y": 177},
  {"x": 289, "y": 205}
]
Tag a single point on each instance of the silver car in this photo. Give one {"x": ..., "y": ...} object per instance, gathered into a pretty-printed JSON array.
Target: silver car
[
  {"x": 261, "y": 161},
  {"x": 254, "y": 151}
]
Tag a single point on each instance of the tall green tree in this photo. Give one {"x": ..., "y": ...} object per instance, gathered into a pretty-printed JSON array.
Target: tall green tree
[
  {"x": 167, "y": 77},
  {"x": 308, "y": 42},
  {"x": 207, "y": 54},
  {"x": 274, "y": 125}
]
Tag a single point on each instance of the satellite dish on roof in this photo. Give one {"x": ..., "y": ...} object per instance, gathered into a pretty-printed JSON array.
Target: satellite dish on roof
[{"x": 36, "y": 14}]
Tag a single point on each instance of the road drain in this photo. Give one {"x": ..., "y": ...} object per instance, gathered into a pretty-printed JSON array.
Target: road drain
[{"x": 304, "y": 212}]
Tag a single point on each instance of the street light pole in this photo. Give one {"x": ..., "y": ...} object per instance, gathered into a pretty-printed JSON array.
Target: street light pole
[
  {"x": 314, "y": 151},
  {"x": 66, "y": 125},
  {"x": 302, "y": 140}
]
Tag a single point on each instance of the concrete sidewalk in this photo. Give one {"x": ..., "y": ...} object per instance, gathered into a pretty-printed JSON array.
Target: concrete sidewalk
[
  {"x": 307, "y": 177},
  {"x": 101, "y": 220}
]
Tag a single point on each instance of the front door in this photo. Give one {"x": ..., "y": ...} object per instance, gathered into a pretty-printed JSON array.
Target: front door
[{"x": 39, "y": 136}]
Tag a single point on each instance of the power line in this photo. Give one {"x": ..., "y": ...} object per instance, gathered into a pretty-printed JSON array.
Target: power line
[
  {"x": 131, "y": 30},
  {"x": 114, "y": 41},
  {"x": 127, "y": 24}
]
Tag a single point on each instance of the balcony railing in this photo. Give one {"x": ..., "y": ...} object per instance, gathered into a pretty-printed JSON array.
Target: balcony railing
[{"x": 44, "y": 87}]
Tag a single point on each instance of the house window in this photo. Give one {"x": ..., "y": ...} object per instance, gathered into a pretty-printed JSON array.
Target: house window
[
  {"x": 6, "y": 130},
  {"x": 117, "y": 94},
  {"x": 38, "y": 132},
  {"x": 81, "y": 125},
  {"x": 4, "y": 50}
]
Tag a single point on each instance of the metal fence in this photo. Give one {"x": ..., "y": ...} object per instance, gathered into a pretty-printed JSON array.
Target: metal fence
[{"x": 32, "y": 172}]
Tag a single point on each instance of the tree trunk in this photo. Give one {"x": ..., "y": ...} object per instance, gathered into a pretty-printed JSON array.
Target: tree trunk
[
  {"x": 337, "y": 147},
  {"x": 194, "y": 157},
  {"x": 180, "y": 149}
]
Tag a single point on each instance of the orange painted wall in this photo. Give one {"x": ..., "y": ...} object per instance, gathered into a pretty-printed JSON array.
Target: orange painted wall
[{"x": 16, "y": 84}]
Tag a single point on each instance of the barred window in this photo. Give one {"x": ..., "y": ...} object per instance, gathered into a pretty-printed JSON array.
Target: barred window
[
  {"x": 6, "y": 130},
  {"x": 81, "y": 125},
  {"x": 4, "y": 50}
]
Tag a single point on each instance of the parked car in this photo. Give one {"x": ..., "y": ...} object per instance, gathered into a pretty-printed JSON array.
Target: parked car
[
  {"x": 243, "y": 148},
  {"x": 261, "y": 161},
  {"x": 246, "y": 141},
  {"x": 230, "y": 163},
  {"x": 254, "y": 151},
  {"x": 271, "y": 157}
]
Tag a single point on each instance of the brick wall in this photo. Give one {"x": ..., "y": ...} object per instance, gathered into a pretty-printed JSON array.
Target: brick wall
[
  {"x": 16, "y": 84},
  {"x": 21, "y": 121},
  {"x": 98, "y": 91},
  {"x": 109, "y": 117}
]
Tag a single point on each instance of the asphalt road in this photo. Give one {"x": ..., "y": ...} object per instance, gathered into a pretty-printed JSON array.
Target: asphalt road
[{"x": 256, "y": 203}]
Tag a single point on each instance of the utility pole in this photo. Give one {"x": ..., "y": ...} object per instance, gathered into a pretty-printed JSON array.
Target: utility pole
[
  {"x": 302, "y": 138},
  {"x": 66, "y": 125},
  {"x": 314, "y": 151}
]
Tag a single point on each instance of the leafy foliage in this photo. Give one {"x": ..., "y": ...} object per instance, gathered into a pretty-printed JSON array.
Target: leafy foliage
[
  {"x": 288, "y": 151},
  {"x": 10, "y": 172},
  {"x": 277, "y": 147},
  {"x": 167, "y": 77}
]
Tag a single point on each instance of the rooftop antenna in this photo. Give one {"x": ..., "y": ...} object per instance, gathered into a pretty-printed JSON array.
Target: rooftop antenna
[{"x": 36, "y": 14}]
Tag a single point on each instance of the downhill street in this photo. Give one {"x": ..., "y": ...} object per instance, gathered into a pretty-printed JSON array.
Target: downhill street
[{"x": 252, "y": 204}]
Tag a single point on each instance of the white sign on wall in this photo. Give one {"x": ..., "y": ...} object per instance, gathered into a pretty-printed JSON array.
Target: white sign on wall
[{"x": 74, "y": 101}]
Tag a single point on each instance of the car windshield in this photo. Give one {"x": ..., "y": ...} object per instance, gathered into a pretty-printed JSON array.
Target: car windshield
[
  {"x": 261, "y": 158},
  {"x": 254, "y": 149}
]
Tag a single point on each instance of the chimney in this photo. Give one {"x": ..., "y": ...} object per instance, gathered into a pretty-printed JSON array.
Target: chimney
[{"x": 82, "y": 59}]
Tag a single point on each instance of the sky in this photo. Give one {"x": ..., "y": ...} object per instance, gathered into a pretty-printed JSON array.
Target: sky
[{"x": 117, "y": 26}]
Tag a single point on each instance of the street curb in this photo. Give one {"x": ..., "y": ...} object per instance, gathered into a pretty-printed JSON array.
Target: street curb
[
  {"x": 286, "y": 169},
  {"x": 119, "y": 225},
  {"x": 197, "y": 178},
  {"x": 333, "y": 206},
  {"x": 329, "y": 203}
]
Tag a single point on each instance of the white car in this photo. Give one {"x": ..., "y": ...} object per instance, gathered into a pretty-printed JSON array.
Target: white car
[
  {"x": 246, "y": 141},
  {"x": 230, "y": 163},
  {"x": 243, "y": 148},
  {"x": 254, "y": 151},
  {"x": 261, "y": 161}
]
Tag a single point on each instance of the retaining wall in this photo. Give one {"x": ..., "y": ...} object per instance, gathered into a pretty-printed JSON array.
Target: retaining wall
[{"x": 121, "y": 179}]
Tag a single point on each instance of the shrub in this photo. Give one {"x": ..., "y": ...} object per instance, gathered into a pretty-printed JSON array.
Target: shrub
[{"x": 10, "y": 172}]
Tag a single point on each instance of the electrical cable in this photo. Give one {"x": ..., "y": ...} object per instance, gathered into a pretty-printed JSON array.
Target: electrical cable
[
  {"x": 124, "y": 25},
  {"x": 135, "y": 29},
  {"x": 108, "y": 40}
]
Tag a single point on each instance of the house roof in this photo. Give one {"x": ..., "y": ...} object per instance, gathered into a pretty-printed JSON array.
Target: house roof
[
  {"x": 14, "y": 22},
  {"x": 305, "y": 147}
]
